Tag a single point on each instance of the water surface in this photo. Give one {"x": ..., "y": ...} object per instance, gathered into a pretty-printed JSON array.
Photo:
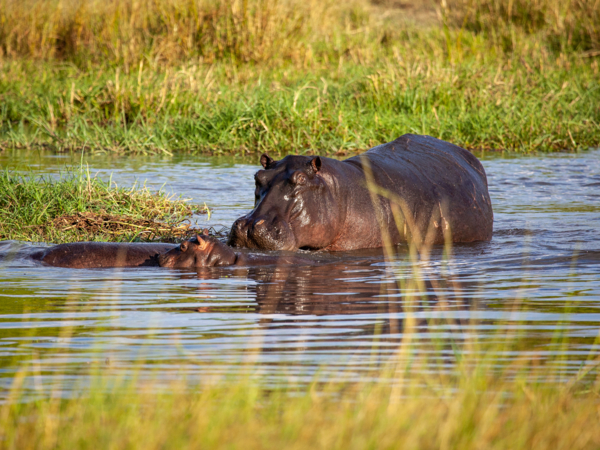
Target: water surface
[{"x": 539, "y": 274}]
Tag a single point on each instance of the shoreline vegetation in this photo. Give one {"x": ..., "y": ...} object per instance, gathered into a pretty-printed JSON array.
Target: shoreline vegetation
[
  {"x": 78, "y": 207},
  {"x": 286, "y": 76},
  {"x": 463, "y": 394}
]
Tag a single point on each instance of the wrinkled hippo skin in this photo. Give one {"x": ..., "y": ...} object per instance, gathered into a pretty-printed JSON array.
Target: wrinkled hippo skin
[
  {"x": 415, "y": 189},
  {"x": 205, "y": 251},
  {"x": 88, "y": 255}
]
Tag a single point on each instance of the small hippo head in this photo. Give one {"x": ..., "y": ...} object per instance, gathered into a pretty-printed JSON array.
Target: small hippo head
[
  {"x": 199, "y": 251},
  {"x": 294, "y": 206}
]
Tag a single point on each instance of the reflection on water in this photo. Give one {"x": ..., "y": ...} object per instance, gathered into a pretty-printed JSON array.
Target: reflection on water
[{"x": 343, "y": 316}]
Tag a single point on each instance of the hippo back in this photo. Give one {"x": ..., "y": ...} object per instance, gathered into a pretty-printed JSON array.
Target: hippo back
[{"x": 438, "y": 187}]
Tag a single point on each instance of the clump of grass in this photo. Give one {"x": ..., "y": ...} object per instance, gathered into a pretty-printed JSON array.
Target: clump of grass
[
  {"x": 560, "y": 26},
  {"x": 79, "y": 207}
]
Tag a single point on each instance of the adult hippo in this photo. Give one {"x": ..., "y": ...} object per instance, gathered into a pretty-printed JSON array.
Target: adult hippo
[
  {"x": 415, "y": 189},
  {"x": 199, "y": 251}
]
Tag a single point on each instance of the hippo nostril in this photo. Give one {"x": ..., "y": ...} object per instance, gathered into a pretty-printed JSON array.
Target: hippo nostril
[{"x": 258, "y": 224}]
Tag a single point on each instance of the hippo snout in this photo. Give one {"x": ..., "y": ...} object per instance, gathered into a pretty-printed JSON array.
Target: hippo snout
[
  {"x": 165, "y": 260},
  {"x": 260, "y": 225},
  {"x": 269, "y": 233},
  {"x": 240, "y": 225},
  {"x": 238, "y": 236}
]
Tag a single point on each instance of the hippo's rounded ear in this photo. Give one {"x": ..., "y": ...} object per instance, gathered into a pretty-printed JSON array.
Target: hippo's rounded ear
[
  {"x": 205, "y": 232},
  {"x": 201, "y": 242},
  {"x": 266, "y": 161},
  {"x": 315, "y": 163}
]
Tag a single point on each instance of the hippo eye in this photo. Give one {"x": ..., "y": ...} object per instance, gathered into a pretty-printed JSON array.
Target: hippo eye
[
  {"x": 184, "y": 246},
  {"x": 299, "y": 178}
]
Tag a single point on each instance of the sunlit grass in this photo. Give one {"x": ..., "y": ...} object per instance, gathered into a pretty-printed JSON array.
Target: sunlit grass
[
  {"x": 541, "y": 104},
  {"x": 477, "y": 401},
  {"x": 167, "y": 31}
]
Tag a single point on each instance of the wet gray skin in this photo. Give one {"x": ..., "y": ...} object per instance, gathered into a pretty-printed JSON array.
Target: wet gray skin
[
  {"x": 88, "y": 255},
  {"x": 415, "y": 189},
  {"x": 200, "y": 251},
  {"x": 207, "y": 251}
]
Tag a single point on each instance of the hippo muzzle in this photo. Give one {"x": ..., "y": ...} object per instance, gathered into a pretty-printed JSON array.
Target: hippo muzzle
[
  {"x": 262, "y": 232},
  {"x": 169, "y": 258}
]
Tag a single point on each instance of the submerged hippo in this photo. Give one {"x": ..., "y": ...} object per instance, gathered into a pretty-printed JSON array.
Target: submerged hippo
[
  {"x": 88, "y": 255},
  {"x": 200, "y": 251},
  {"x": 206, "y": 251},
  {"x": 415, "y": 189}
]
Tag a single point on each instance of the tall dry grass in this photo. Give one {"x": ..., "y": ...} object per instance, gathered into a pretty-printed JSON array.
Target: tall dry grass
[
  {"x": 124, "y": 31},
  {"x": 571, "y": 25},
  {"x": 241, "y": 415}
]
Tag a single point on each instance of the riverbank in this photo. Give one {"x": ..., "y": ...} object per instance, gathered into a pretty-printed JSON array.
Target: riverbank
[
  {"x": 321, "y": 78},
  {"x": 80, "y": 207}
]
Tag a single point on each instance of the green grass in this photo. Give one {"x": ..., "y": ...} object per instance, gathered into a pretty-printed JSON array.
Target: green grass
[
  {"x": 318, "y": 78},
  {"x": 529, "y": 105},
  {"x": 79, "y": 207}
]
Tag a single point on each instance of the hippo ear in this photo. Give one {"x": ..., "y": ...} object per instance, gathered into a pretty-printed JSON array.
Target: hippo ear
[
  {"x": 202, "y": 244},
  {"x": 315, "y": 163},
  {"x": 266, "y": 161},
  {"x": 205, "y": 232}
]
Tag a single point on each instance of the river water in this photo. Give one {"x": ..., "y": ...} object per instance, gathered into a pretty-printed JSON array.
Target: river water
[{"x": 538, "y": 278}]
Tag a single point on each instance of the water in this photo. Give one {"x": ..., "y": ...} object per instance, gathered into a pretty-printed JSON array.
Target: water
[{"x": 539, "y": 274}]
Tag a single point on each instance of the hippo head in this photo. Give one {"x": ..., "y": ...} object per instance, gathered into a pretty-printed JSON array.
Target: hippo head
[
  {"x": 200, "y": 251},
  {"x": 294, "y": 207}
]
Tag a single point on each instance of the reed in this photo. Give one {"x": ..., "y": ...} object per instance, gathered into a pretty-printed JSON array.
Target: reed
[{"x": 412, "y": 404}]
